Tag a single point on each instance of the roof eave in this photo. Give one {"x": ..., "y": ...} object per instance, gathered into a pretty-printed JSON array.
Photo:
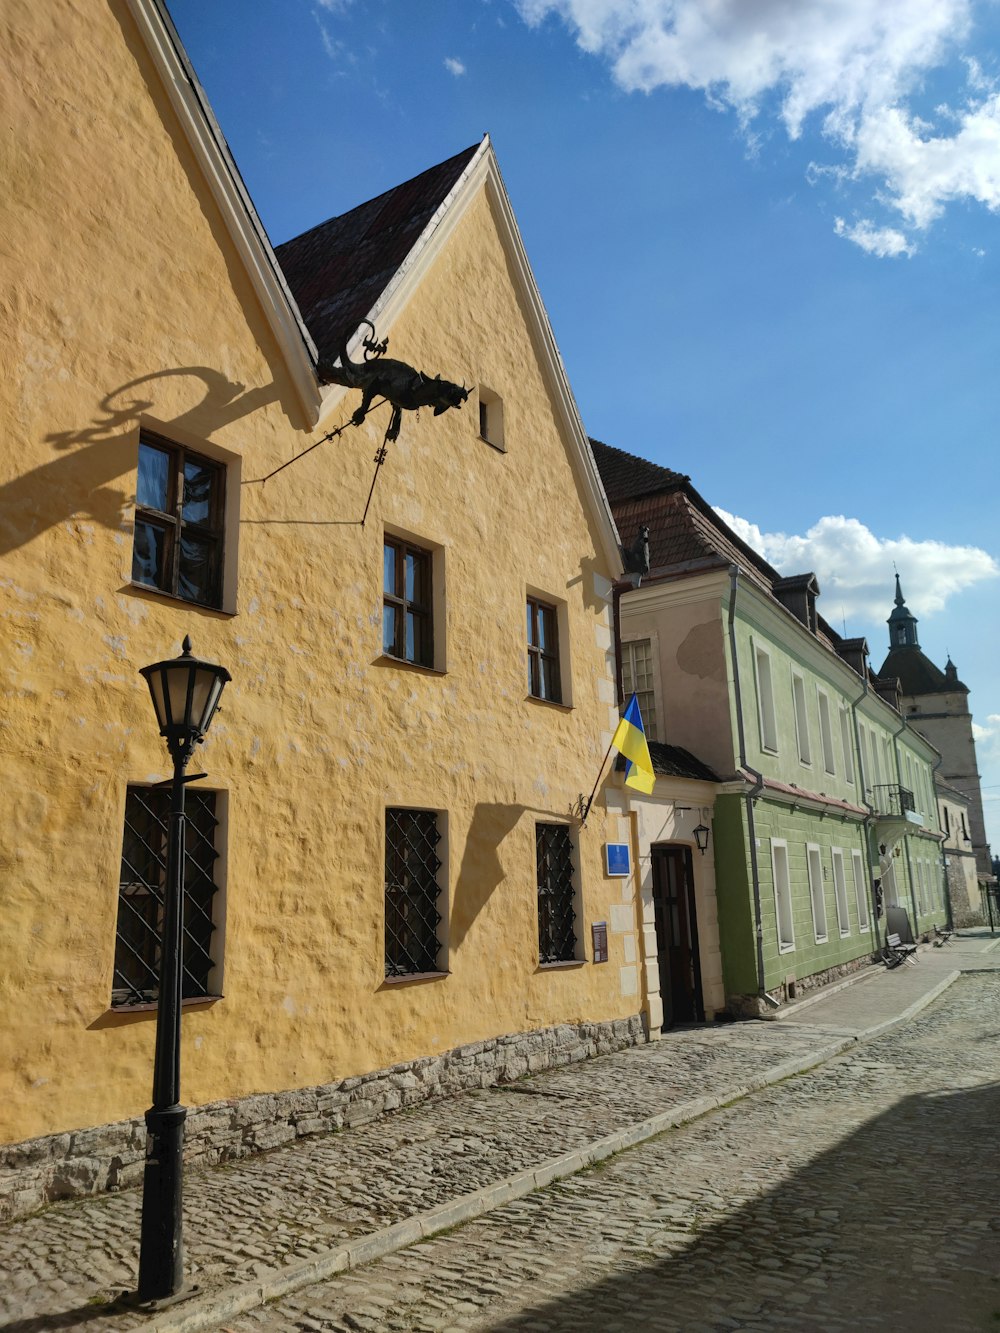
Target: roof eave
[{"x": 244, "y": 227}]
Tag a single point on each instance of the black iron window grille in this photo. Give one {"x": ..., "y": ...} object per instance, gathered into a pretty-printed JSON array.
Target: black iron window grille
[
  {"x": 407, "y": 622},
  {"x": 411, "y": 892},
  {"x": 543, "y": 652},
  {"x": 556, "y": 893},
  {"x": 179, "y": 522},
  {"x": 141, "y": 895}
]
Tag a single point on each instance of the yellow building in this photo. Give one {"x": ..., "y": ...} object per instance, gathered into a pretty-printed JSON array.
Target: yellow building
[{"x": 384, "y": 873}]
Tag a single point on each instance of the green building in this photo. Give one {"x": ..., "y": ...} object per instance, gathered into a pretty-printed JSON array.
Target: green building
[{"x": 824, "y": 815}]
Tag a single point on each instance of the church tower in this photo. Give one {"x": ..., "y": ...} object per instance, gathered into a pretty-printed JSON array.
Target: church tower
[{"x": 936, "y": 704}]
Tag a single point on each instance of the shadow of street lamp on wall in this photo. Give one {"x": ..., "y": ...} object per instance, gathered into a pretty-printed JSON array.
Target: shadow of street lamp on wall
[{"x": 185, "y": 693}]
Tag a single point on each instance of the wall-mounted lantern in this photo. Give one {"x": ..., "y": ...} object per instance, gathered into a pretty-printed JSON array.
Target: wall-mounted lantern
[{"x": 701, "y": 838}]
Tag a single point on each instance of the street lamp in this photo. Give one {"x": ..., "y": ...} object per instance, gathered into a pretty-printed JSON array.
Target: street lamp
[
  {"x": 701, "y": 838},
  {"x": 185, "y": 693}
]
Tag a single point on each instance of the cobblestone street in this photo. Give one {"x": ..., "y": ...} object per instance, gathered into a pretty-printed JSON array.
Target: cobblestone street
[{"x": 861, "y": 1195}]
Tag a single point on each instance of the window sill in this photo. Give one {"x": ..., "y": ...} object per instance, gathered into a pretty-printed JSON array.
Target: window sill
[
  {"x": 159, "y": 595},
  {"x": 501, "y": 449},
  {"x": 414, "y": 976},
  {"x": 786, "y": 948},
  {"x": 387, "y": 659},
  {"x": 151, "y": 1006},
  {"x": 822, "y": 939},
  {"x": 566, "y": 966},
  {"x": 548, "y": 703}
]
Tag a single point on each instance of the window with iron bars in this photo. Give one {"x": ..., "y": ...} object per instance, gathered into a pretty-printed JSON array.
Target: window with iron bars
[
  {"x": 141, "y": 893},
  {"x": 556, "y": 893},
  {"x": 411, "y": 892}
]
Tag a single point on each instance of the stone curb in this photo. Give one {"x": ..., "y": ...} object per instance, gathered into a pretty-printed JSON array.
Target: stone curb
[{"x": 212, "y": 1309}]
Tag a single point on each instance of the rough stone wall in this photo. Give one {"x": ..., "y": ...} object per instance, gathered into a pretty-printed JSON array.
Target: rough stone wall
[
  {"x": 966, "y": 910},
  {"x": 111, "y": 1157}
]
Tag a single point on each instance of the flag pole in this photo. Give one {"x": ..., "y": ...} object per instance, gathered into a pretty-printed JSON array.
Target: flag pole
[{"x": 590, "y": 801}]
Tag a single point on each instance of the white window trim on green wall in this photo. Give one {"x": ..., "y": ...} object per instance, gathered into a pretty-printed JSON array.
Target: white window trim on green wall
[
  {"x": 817, "y": 897},
  {"x": 840, "y": 891},
  {"x": 801, "y": 719},
  {"x": 861, "y": 890},
  {"x": 782, "y": 883},
  {"x": 766, "y": 718},
  {"x": 846, "y": 744},
  {"x": 826, "y": 731}
]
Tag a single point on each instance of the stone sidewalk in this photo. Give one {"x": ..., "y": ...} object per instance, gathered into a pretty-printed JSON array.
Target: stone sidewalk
[{"x": 260, "y": 1228}]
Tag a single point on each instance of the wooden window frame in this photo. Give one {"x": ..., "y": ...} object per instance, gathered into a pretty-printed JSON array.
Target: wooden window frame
[
  {"x": 172, "y": 523},
  {"x": 422, "y": 610},
  {"x": 783, "y": 905},
  {"x": 536, "y": 609}
]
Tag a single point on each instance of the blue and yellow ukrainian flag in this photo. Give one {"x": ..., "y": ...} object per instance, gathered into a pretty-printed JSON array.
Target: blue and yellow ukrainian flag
[{"x": 630, "y": 740}]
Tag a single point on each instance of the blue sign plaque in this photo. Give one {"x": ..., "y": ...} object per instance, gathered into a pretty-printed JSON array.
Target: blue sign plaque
[{"x": 617, "y": 858}]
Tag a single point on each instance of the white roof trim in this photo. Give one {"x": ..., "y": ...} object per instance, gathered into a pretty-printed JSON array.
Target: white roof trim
[
  {"x": 245, "y": 229},
  {"x": 483, "y": 172}
]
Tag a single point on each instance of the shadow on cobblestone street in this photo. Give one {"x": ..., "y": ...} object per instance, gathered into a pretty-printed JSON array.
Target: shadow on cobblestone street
[{"x": 895, "y": 1227}]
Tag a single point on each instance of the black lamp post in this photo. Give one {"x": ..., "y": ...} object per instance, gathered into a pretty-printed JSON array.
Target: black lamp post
[{"x": 185, "y": 695}]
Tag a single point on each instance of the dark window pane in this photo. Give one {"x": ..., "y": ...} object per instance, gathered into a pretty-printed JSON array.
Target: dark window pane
[
  {"x": 149, "y": 554},
  {"x": 389, "y": 569},
  {"x": 197, "y": 576},
  {"x": 411, "y": 637},
  {"x": 531, "y": 623},
  {"x": 200, "y": 482},
  {"x": 153, "y": 488},
  {"x": 548, "y": 687},
  {"x": 412, "y": 583}
]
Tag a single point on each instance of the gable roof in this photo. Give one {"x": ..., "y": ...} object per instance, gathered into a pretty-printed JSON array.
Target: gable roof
[
  {"x": 338, "y": 270},
  {"x": 626, "y": 475},
  {"x": 220, "y": 172},
  {"x": 398, "y": 236}
]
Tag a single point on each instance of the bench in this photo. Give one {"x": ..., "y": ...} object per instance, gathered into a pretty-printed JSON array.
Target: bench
[{"x": 896, "y": 952}]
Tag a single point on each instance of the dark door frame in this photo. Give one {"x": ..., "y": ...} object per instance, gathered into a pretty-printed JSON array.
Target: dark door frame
[{"x": 694, "y": 1007}]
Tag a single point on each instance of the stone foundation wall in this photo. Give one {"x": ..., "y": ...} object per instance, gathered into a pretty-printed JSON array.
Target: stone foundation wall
[
  {"x": 110, "y": 1157},
  {"x": 752, "y": 1006},
  {"x": 964, "y": 911}
]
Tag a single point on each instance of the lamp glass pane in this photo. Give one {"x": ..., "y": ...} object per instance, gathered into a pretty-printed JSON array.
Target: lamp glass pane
[{"x": 177, "y": 693}]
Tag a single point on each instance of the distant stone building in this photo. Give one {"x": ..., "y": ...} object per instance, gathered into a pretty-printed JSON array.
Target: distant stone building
[
  {"x": 960, "y": 873},
  {"x": 936, "y": 704}
]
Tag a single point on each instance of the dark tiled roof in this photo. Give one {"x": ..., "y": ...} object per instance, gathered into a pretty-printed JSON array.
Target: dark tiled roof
[
  {"x": 672, "y": 761},
  {"x": 626, "y": 475},
  {"x": 917, "y": 674},
  {"x": 338, "y": 270},
  {"x": 684, "y": 533}
]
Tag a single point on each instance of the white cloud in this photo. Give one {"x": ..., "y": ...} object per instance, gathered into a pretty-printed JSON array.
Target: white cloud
[
  {"x": 454, "y": 66},
  {"x": 854, "y": 64},
  {"x": 884, "y": 242},
  {"x": 854, "y": 567}
]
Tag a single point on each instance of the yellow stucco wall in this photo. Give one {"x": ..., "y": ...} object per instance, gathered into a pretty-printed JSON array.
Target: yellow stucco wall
[{"x": 130, "y": 306}]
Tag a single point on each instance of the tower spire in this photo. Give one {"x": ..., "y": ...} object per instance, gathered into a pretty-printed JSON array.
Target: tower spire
[{"x": 902, "y": 623}]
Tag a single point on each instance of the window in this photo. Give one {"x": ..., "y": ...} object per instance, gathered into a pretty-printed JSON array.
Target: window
[
  {"x": 543, "y": 652},
  {"x": 491, "y": 418},
  {"x": 411, "y": 892},
  {"x": 765, "y": 701},
  {"x": 782, "y": 893},
  {"x": 801, "y": 719},
  {"x": 866, "y": 772},
  {"x": 637, "y": 678},
  {"x": 407, "y": 620},
  {"x": 556, "y": 893},
  {"x": 920, "y": 886},
  {"x": 840, "y": 891},
  {"x": 816, "y": 894},
  {"x": 826, "y": 732},
  {"x": 179, "y": 522},
  {"x": 947, "y": 823},
  {"x": 141, "y": 892},
  {"x": 860, "y": 889},
  {"x": 846, "y": 744}
]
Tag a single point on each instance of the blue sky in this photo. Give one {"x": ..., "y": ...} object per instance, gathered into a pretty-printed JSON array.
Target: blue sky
[{"x": 766, "y": 232}]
